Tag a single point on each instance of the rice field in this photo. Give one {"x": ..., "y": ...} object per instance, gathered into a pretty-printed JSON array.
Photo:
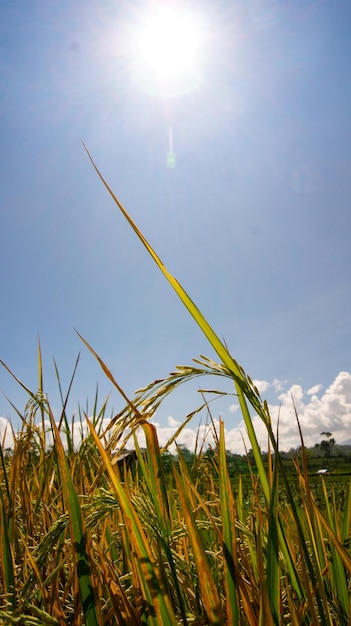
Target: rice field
[{"x": 87, "y": 538}]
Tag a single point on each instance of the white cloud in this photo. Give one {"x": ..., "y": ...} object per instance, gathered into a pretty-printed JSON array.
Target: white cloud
[
  {"x": 173, "y": 423},
  {"x": 189, "y": 437},
  {"x": 278, "y": 385},
  {"x": 315, "y": 389},
  {"x": 6, "y": 433},
  {"x": 233, "y": 408},
  {"x": 262, "y": 385},
  {"x": 329, "y": 411}
]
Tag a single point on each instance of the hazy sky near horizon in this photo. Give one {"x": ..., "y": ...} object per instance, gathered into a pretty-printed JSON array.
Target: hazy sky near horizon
[{"x": 254, "y": 220}]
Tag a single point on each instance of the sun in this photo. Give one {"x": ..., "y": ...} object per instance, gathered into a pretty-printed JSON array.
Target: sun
[{"x": 168, "y": 51}]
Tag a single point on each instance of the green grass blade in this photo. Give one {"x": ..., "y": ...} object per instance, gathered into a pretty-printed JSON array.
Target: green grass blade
[
  {"x": 272, "y": 574},
  {"x": 228, "y": 524},
  {"x": 32, "y": 395},
  {"x": 254, "y": 443},
  {"x": 109, "y": 375},
  {"x": 5, "y": 477},
  {"x": 209, "y": 593},
  {"x": 7, "y": 558},
  {"x": 155, "y": 479},
  {"x": 337, "y": 570},
  {"x": 153, "y": 587},
  {"x": 214, "y": 340},
  {"x": 64, "y": 400},
  {"x": 345, "y": 528},
  {"x": 40, "y": 394},
  {"x": 78, "y": 533}
]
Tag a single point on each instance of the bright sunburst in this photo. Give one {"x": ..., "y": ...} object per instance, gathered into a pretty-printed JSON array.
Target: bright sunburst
[{"x": 167, "y": 48}]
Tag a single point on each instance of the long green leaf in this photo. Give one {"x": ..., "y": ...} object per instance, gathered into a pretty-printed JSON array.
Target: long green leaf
[
  {"x": 155, "y": 479},
  {"x": 153, "y": 586},
  {"x": 7, "y": 558},
  {"x": 78, "y": 532},
  {"x": 209, "y": 593},
  {"x": 272, "y": 574},
  {"x": 236, "y": 371},
  {"x": 229, "y": 536}
]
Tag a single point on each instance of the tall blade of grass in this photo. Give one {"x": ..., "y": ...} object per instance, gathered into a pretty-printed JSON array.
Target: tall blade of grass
[
  {"x": 312, "y": 556},
  {"x": 64, "y": 400},
  {"x": 300, "y": 582},
  {"x": 78, "y": 533},
  {"x": 236, "y": 371},
  {"x": 155, "y": 478},
  {"x": 7, "y": 561},
  {"x": 272, "y": 574},
  {"x": 283, "y": 544},
  {"x": 32, "y": 395},
  {"x": 254, "y": 443},
  {"x": 109, "y": 375},
  {"x": 5, "y": 477},
  {"x": 40, "y": 393},
  {"x": 340, "y": 549},
  {"x": 229, "y": 537},
  {"x": 209, "y": 593},
  {"x": 152, "y": 585},
  {"x": 337, "y": 570},
  {"x": 265, "y": 613},
  {"x": 345, "y": 528}
]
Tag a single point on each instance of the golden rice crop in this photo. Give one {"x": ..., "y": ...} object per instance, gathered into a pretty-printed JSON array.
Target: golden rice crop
[{"x": 86, "y": 539}]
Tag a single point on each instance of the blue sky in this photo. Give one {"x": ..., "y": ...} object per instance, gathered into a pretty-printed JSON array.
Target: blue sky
[{"x": 254, "y": 220}]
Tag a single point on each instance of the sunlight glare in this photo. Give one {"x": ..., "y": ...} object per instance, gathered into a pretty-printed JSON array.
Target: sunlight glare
[{"x": 167, "y": 50}]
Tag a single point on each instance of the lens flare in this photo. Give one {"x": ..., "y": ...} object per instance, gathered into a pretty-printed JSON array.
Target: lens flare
[{"x": 171, "y": 157}]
